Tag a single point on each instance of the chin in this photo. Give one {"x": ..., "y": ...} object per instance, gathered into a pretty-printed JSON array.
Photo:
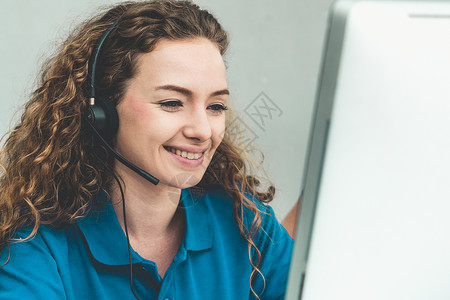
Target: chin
[{"x": 185, "y": 180}]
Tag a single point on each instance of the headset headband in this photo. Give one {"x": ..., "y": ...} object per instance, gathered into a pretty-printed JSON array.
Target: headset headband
[{"x": 94, "y": 58}]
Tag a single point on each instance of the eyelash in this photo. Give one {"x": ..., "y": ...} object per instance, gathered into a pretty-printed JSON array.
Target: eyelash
[
  {"x": 171, "y": 105},
  {"x": 218, "y": 107},
  {"x": 174, "y": 105}
]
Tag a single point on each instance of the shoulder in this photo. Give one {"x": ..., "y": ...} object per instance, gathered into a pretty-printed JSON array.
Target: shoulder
[
  {"x": 40, "y": 243},
  {"x": 28, "y": 268},
  {"x": 271, "y": 240},
  {"x": 218, "y": 197},
  {"x": 222, "y": 204}
]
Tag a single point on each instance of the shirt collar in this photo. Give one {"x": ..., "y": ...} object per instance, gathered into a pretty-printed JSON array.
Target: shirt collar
[
  {"x": 107, "y": 241},
  {"x": 104, "y": 236},
  {"x": 199, "y": 233}
]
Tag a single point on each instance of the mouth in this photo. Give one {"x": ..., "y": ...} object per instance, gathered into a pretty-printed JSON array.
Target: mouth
[{"x": 185, "y": 154}]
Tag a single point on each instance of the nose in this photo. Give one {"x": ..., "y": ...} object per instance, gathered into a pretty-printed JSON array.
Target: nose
[{"x": 198, "y": 125}]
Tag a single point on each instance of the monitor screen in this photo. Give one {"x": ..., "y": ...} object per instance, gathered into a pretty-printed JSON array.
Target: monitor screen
[{"x": 374, "y": 221}]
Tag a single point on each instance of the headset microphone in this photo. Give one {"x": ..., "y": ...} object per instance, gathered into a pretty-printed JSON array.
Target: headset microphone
[{"x": 102, "y": 116}]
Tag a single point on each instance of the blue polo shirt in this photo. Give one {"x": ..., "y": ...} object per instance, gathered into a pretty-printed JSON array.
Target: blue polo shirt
[{"x": 89, "y": 259}]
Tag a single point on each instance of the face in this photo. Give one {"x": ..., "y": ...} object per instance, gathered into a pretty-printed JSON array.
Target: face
[{"x": 172, "y": 115}]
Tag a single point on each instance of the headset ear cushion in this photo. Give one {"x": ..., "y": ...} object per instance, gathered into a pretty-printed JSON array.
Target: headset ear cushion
[{"x": 110, "y": 123}]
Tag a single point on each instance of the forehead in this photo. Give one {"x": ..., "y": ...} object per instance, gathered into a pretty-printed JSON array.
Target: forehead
[{"x": 192, "y": 58}]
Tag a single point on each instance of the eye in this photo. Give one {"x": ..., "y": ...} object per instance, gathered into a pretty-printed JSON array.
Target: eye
[
  {"x": 171, "y": 105},
  {"x": 217, "y": 108}
]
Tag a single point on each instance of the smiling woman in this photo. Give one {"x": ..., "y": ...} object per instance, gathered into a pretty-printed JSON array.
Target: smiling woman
[
  {"x": 80, "y": 220},
  {"x": 175, "y": 103}
]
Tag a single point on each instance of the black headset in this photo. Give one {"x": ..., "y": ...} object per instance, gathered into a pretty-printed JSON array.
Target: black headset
[
  {"x": 102, "y": 113},
  {"x": 102, "y": 116}
]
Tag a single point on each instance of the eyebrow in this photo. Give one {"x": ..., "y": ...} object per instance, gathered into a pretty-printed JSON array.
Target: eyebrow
[{"x": 188, "y": 92}]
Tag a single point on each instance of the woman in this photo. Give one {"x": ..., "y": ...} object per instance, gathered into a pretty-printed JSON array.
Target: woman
[{"x": 81, "y": 217}]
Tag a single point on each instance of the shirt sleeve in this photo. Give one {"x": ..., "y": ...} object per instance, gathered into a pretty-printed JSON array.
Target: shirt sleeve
[
  {"x": 275, "y": 246},
  {"x": 31, "y": 272}
]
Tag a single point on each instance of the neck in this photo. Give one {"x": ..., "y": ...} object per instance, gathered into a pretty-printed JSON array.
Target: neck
[{"x": 151, "y": 211}]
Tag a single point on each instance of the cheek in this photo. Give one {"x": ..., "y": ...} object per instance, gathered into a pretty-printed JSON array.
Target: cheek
[
  {"x": 141, "y": 118},
  {"x": 130, "y": 114},
  {"x": 136, "y": 111},
  {"x": 136, "y": 128},
  {"x": 218, "y": 130}
]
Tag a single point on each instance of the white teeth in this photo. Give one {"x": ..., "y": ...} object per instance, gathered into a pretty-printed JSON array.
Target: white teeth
[{"x": 185, "y": 154}]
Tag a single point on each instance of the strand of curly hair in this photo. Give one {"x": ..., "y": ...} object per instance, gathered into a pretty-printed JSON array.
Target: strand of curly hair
[{"x": 48, "y": 175}]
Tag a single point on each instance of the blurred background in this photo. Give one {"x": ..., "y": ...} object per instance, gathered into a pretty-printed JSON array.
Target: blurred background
[{"x": 273, "y": 66}]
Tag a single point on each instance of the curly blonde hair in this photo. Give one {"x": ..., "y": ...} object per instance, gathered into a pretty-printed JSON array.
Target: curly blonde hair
[{"x": 49, "y": 176}]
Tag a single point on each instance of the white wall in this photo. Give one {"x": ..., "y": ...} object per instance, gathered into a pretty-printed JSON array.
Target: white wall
[{"x": 275, "y": 50}]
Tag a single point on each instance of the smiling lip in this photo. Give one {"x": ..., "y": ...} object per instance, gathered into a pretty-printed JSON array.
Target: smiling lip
[{"x": 190, "y": 154}]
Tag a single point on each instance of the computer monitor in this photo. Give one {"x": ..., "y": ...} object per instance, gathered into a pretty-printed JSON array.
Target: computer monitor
[{"x": 374, "y": 222}]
